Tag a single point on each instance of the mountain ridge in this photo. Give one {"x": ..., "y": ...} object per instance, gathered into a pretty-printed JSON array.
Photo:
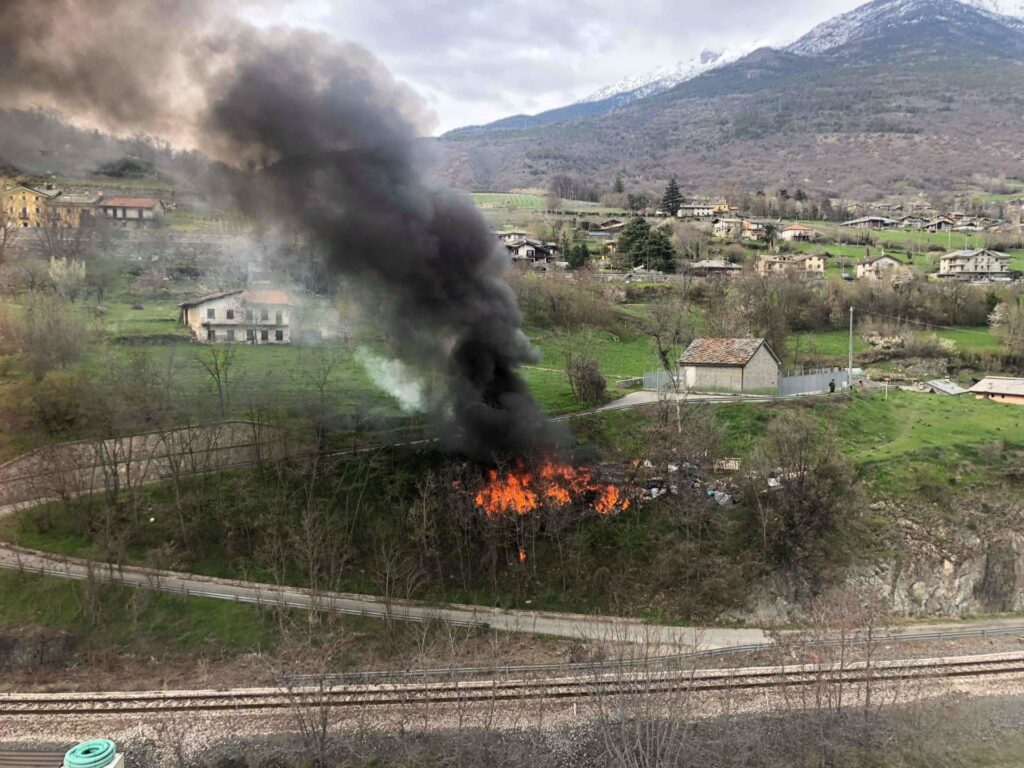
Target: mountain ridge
[
  {"x": 928, "y": 95},
  {"x": 826, "y": 36}
]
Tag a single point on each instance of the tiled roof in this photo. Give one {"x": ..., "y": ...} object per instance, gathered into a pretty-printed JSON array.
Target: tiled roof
[
  {"x": 720, "y": 351},
  {"x": 249, "y": 296},
  {"x": 797, "y": 228},
  {"x": 946, "y": 386},
  {"x": 999, "y": 385},
  {"x": 131, "y": 202},
  {"x": 77, "y": 200},
  {"x": 714, "y": 264},
  {"x": 267, "y": 297},
  {"x": 209, "y": 297}
]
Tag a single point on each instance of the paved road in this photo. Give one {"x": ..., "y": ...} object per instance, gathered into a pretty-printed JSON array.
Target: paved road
[
  {"x": 577, "y": 626},
  {"x": 534, "y": 622}
]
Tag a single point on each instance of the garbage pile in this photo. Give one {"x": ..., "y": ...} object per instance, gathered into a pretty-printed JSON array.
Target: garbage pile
[{"x": 686, "y": 477}]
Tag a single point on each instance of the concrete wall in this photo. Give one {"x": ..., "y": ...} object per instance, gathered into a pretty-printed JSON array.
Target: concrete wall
[
  {"x": 762, "y": 372},
  {"x": 707, "y": 378},
  {"x": 1014, "y": 399}
]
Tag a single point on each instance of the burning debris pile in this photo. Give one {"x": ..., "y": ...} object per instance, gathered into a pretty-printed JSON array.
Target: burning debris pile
[{"x": 521, "y": 491}]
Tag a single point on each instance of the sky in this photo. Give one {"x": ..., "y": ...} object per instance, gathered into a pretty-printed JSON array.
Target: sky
[{"x": 474, "y": 62}]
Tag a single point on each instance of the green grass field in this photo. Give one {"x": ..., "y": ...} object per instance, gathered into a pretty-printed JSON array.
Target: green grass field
[
  {"x": 510, "y": 201},
  {"x": 835, "y": 344},
  {"x": 127, "y": 617},
  {"x": 907, "y": 444}
]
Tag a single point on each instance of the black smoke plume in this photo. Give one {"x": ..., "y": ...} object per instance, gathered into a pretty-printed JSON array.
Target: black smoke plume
[{"x": 324, "y": 140}]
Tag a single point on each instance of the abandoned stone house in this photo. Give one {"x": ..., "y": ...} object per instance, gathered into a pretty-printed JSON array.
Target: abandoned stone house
[{"x": 241, "y": 315}]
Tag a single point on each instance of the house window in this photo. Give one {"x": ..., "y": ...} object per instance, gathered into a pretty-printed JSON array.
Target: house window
[
  {"x": 211, "y": 334},
  {"x": 250, "y": 334},
  {"x": 231, "y": 314},
  {"x": 264, "y": 335},
  {"x": 211, "y": 314},
  {"x": 248, "y": 315},
  {"x": 264, "y": 315},
  {"x": 278, "y": 335},
  {"x": 231, "y": 334},
  {"x": 279, "y": 318}
]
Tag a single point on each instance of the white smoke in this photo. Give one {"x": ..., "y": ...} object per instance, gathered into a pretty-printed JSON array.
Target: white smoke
[{"x": 396, "y": 378}]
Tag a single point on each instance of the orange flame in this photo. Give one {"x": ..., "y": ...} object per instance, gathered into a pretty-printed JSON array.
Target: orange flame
[
  {"x": 522, "y": 555},
  {"x": 520, "y": 492}
]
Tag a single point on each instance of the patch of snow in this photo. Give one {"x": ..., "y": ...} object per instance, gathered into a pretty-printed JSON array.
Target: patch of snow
[
  {"x": 664, "y": 78},
  {"x": 875, "y": 18}
]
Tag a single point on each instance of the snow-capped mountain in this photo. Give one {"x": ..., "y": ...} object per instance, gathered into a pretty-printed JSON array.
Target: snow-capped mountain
[
  {"x": 882, "y": 16},
  {"x": 663, "y": 78},
  {"x": 995, "y": 25},
  {"x": 1003, "y": 7}
]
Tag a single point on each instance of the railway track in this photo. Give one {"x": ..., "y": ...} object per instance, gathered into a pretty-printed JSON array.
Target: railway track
[{"x": 470, "y": 692}]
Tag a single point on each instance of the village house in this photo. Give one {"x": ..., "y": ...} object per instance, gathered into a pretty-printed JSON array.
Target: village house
[
  {"x": 880, "y": 266},
  {"x": 131, "y": 210},
  {"x": 533, "y": 251},
  {"x": 912, "y": 221},
  {"x": 727, "y": 227},
  {"x": 241, "y": 315},
  {"x": 979, "y": 264},
  {"x": 1002, "y": 389},
  {"x": 72, "y": 210},
  {"x": 508, "y": 236},
  {"x": 871, "y": 222},
  {"x": 804, "y": 262},
  {"x": 27, "y": 206},
  {"x": 730, "y": 365},
  {"x": 799, "y": 233},
  {"x": 753, "y": 230},
  {"x": 696, "y": 211},
  {"x": 940, "y": 224},
  {"x": 714, "y": 268}
]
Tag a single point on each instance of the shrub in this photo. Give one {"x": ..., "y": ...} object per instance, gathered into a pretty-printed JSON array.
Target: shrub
[{"x": 49, "y": 333}]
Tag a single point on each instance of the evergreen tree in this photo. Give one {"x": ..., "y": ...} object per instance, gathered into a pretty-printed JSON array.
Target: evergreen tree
[
  {"x": 579, "y": 256},
  {"x": 646, "y": 247},
  {"x": 672, "y": 201},
  {"x": 617, "y": 187}
]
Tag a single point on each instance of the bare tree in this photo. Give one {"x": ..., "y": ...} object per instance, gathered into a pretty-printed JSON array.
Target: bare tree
[
  {"x": 221, "y": 365},
  {"x": 668, "y": 325},
  {"x": 577, "y": 351}
]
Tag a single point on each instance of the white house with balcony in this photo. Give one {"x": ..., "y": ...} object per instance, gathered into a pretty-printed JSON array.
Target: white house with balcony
[
  {"x": 981, "y": 265},
  {"x": 243, "y": 315}
]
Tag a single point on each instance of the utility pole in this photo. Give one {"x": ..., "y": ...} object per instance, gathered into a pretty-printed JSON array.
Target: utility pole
[{"x": 849, "y": 370}]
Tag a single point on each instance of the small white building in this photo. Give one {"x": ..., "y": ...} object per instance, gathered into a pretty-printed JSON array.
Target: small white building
[
  {"x": 696, "y": 211},
  {"x": 880, "y": 266},
  {"x": 138, "y": 211},
  {"x": 730, "y": 365},
  {"x": 799, "y": 233},
  {"x": 241, "y": 315}
]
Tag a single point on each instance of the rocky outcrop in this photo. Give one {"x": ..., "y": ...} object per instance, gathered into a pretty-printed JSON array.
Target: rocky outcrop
[{"x": 938, "y": 571}]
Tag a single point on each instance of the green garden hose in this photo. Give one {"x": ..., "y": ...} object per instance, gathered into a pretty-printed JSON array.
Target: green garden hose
[{"x": 96, "y": 753}]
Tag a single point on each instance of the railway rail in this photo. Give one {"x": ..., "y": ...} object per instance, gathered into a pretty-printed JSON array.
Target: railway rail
[{"x": 482, "y": 691}]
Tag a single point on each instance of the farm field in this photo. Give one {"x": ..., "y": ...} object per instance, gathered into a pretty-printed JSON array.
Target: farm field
[{"x": 835, "y": 344}]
